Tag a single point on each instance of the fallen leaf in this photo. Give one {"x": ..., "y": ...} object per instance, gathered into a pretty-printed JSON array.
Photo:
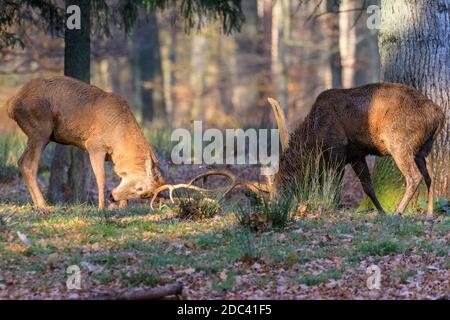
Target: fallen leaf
[
  {"x": 190, "y": 244},
  {"x": 52, "y": 259},
  {"x": 223, "y": 276},
  {"x": 24, "y": 239}
]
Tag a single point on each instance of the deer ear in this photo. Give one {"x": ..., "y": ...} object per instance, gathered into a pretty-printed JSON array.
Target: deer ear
[{"x": 148, "y": 166}]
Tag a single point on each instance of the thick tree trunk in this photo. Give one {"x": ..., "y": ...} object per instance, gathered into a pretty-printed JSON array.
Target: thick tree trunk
[
  {"x": 168, "y": 59},
  {"x": 73, "y": 185},
  {"x": 150, "y": 81},
  {"x": 414, "y": 46},
  {"x": 245, "y": 89}
]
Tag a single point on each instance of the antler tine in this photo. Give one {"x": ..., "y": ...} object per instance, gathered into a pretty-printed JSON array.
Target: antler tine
[
  {"x": 252, "y": 186},
  {"x": 234, "y": 183},
  {"x": 172, "y": 187},
  {"x": 224, "y": 173},
  {"x": 225, "y": 190}
]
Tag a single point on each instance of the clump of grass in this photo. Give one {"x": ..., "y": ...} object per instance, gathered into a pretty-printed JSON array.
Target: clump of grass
[
  {"x": 266, "y": 214},
  {"x": 317, "y": 181},
  {"x": 196, "y": 207},
  {"x": 140, "y": 278},
  {"x": 249, "y": 251},
  {"x": 380, "y": 248}
]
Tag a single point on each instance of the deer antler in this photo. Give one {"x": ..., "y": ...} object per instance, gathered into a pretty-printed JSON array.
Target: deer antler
[{"x": 221, "y": 190}]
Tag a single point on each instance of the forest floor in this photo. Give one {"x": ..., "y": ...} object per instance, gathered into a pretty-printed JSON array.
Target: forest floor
[{"x": 319, "y": 255}]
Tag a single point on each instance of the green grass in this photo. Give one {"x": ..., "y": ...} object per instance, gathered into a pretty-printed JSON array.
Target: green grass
[
  {"x": 319, "y": 186},
  {"x": 389, "y": 187},
  {"x": 134, "y": 247},
  {"x": 311, "y": 280}
]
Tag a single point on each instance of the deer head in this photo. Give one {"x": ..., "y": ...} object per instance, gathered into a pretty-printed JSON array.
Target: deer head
[{"x": 140, "y": 183}]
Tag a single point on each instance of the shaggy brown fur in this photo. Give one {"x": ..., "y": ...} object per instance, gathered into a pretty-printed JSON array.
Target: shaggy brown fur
[
  {"x": 68, "y": 111},
  {"x": 376, "y": 119}
]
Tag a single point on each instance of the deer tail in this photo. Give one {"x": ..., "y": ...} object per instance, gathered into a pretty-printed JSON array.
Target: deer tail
[
  {"x": 281, "y": 123},
  {"x": 10, "y": 106}
]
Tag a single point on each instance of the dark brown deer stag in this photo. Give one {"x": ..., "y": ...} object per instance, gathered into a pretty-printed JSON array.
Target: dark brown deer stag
[
  {"x": 377, "y": 119},
  {"x": 68, "y": 111}
]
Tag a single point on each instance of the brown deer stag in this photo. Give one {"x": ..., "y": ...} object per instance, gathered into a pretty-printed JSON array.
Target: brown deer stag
[
  {"x": 71, "y": 112},
  {"x": 377, "y": 119}
]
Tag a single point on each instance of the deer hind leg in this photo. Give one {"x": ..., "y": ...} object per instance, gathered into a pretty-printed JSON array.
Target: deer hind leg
[
  {"x": 362, "y": 171},
  {"x": 97, "y": 158},
  {"x": 406, "y": 163},
  {"x": 424, "y": 165},
  {"x": 28, "y": 164}
]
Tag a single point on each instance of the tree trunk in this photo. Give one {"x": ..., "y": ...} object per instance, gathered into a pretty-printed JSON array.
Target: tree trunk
[
  {"x": 199, "y": 57},
  {"x": 245, "y": 89},
  {"x": 73, "y": 185},
  {"x": 347, "y": 41},
  {"x": 332, "y": 31},
  {"x": 279, "y": 77},
  {"x": 168, "y": 59},
  {"x": 225, "y": 80},
  {"x": 367, "y": 68},
  {"x": 265, "y": 85},
  {"x": 415, "y": 50},
  {"x": 150, "y": 78}
]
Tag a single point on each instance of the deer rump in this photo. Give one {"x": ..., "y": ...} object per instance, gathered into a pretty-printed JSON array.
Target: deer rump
[{"x": 382, "y": 119}]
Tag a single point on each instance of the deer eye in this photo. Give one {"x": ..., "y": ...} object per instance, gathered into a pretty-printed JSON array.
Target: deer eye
[{"x": 140, "y": 189}]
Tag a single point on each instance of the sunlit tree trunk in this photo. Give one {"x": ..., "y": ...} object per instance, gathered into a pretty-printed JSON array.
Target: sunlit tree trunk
[
  {"x": 347, "y": 41},
  {"x": 414, "y": 45},
  {"x": 280, "y": 23},
  {"x": 73, "y": 185}
]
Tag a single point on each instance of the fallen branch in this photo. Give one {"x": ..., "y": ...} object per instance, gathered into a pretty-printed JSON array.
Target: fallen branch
[{"x": 155, "y": 293}]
